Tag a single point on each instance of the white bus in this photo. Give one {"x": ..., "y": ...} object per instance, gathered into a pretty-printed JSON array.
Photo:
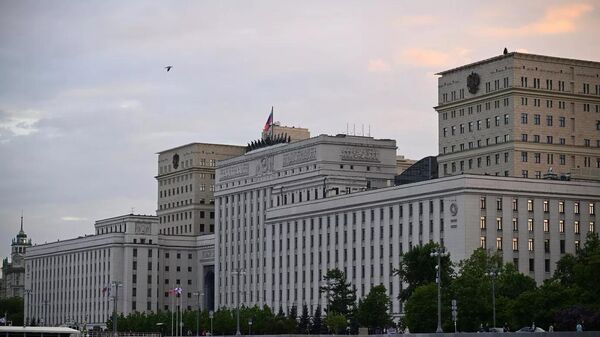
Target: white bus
[{"x": 37, "y": 331}]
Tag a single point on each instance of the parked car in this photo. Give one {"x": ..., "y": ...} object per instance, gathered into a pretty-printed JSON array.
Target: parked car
[{"x": 529, "y": 329}]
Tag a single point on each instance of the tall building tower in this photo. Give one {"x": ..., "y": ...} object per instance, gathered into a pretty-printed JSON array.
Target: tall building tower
[
  {"x": 248, "y": 256},
  {"x": 186, "y": 182},
  {"x": 520, "y": 115},
  {"x": 13, "y": 271}
]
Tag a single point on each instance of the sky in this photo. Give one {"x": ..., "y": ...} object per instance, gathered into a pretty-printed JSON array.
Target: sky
[{"x": 85, "y": 101}]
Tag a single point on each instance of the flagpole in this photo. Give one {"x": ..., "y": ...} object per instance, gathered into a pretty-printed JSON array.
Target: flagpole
[
  {"x": 172, "y": 312},
  {"x": 272, "y": 119}
]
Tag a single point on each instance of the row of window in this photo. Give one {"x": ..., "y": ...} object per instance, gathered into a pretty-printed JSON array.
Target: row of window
[
  {"x": 545, "y": 205},
  {"x": 476, "y": 125},
  {"x": 189, "y": 163},
  {"x": 530, "y": 225},
  {"x": 477, "y": 108}
]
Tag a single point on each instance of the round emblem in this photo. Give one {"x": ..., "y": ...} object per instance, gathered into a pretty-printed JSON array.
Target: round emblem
[
  {"x": 175, "y": 161},
  {"x": 453, "y": 209},
  {"x": 473, "y": 82}
]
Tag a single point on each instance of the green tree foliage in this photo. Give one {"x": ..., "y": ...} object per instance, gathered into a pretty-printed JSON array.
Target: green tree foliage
[
  {"x": 341, "y": 295},
  {"x": 336, "y": 323},
  {"x": 418, "y": 267},
  {"x": 374, "y": 310},
  {"x": 421, "y": 309},
  {"x": 13, "y": 308},
  {"x": 304, "y": 324},
  {"x": 317, "y": 326}
]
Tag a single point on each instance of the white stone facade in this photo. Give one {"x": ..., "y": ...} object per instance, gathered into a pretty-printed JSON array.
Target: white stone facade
[
  {"x": 69, "y": 279},
  {"x": 522, "y": 115}
]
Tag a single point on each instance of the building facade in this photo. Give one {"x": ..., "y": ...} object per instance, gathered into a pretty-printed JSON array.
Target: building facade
[
  {"x": 76, "y": 281},
  {"x": 520, "y": 115},
  {"x": 290, "y": 174},
  {"x": 186, "y": 181},
  {"x": 12, "y": 283}
]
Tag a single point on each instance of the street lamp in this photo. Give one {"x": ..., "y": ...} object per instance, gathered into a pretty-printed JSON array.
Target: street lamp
[
  {"x": 249, "y": 326},
  {"x": 438, "y": 253},
  {"x": 26, "y": 306},
  {"x": 115, "y": 284},
  {"x": 198, "y": 294},
  {"x": 238, "y": 272},
  {"x": 493, "y": 274},
  {"x": 211, "y": 314}
]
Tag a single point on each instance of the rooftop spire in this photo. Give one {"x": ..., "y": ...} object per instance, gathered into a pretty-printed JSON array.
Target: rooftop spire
[{"x": 21, "y": 221}]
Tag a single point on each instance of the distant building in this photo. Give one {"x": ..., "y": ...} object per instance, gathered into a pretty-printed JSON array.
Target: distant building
[
  {"x": 73, "y": 281},
  {"x": 424, "y": 169},
  {"x": 294, "y": 133},
  {"x": 13, "y": 270},
  {"x": 403, "y": 163},
  {"x": 186, "y": 182},
  {"x": 520, "y": 115}
]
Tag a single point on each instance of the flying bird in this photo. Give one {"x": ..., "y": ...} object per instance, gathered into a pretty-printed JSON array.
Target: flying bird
[{"x": 168, "y": 68}]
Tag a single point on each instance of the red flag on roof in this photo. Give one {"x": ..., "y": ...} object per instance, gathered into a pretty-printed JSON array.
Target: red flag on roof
[{"x": 269, "y": 121}]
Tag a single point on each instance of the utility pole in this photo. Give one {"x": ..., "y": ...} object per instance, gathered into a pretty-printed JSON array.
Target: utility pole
[
  {"x": 115, "y": 284},
  {"x": 238, "y": 272},
  {"x": 438, "y": 253},
  {"x": 493, "y": 274},
  {"x": 198, "y": 294},
  {"x": 26, "y": 306}
]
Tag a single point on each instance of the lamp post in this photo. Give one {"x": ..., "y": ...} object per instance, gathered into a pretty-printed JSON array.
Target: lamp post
[
  {"x": 249, "y": 326},
  {"x": 198, "y": 294},
  {"x": 493, "y": 274},
  {"x": 26, "y": 306},
  {"x": 438, "y": 253},
  {"x": 211, "y": 314},
  {"x": 45, "y": 312},
  {"x": 238, "y": 272},
  {"x": 116, "y": 285}
]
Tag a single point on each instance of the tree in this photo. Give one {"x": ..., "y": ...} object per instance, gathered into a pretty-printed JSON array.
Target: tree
[
  {"x": 304, "y": 324},
  {"x": 374, "y": 310},
  {"x": 341, "y": 295},
  {"x": 421, "y": 309},
  {"x": 418, "y": 267},
  {"x": 317, "y": 322},
  {"x": 13, "y": 308},
  {"x": 336, "y": 322}
]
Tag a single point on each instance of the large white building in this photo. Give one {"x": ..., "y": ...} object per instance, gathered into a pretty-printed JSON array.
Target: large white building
[
  {"x": 289, "y": 213},
  {"x": 520, "y": 115},
  {"x": 73, "y": 281}
]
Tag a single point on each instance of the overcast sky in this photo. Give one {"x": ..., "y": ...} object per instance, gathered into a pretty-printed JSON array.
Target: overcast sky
[{"x": 85, "y": 102}]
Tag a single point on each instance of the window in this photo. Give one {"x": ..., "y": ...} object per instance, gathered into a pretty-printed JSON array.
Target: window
[
  {"x": 515, "y": 205},
  {"x": 530, "y": 224},
  {"x": 482, "y": 242},
  {"x": 562, "y": 122},
  {"x": 576, "y": 227},
  {"x": 499, "y": 223},
  {"x": 546, "y": 206},
  {"x": 531, "y": 265},
  {"x": 591, "y": 209},
  {"x": 549, "y": 120},
  {"x": 482, "y": 222},
  {"x": 530, "y": 205},
  {"x": 482, "y": 202},
  {"x": 515, "y": 244},
  {"x": 523, "y": 118},
  {"x": 530, "y": 246},
  {"x": 561, "y": 226},
  {"x": 561, "y": 207},
  {"x": 515, "y": 224},
  {"x": 546, "y": 225},
  {"x": 499, "y": 243},
  {"x": 576, "y": 207},
  {"x": 536, "y": 119},
  {"x": 524, "y": 156},
  {"x": 592, "y": 227}
]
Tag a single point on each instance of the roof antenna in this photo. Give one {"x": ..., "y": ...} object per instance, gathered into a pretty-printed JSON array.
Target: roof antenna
[{"x": 21, "y": 220}]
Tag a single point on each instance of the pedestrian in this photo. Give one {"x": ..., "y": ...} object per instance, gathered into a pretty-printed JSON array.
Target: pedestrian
[
  {"x": 506, "y": 328},
  {"x": 579, "y": 327},
  {"x": 551, "y": 328}
]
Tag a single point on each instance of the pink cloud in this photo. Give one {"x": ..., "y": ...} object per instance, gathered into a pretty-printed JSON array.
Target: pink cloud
[
  {"x": 378, "y": 66},
  {"x": 556, "y": 20},
  {"x": 430, "y": 58}
]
